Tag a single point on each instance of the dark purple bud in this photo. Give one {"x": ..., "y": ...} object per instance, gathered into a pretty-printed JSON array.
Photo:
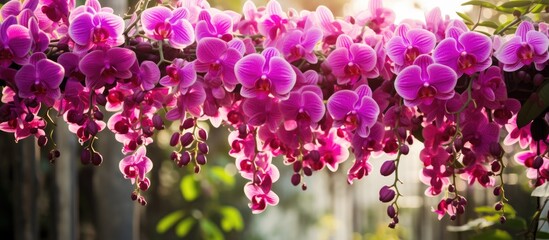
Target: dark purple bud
[
  {"x": 538, "y": 162},
  {"x": 188, "y": 123},
  {"x": 391, "y": 212},
  {"x": 42, "y": 141},
  {"x": 460, "y": 209},
  {"x": 175, "y": 139},
  {"x": 502, "y": 219},
  {"x": 196, "y": 169},
  {"x": 101, "y": 99},
  {"x": 242, "y": 131},
  {"x": 297, "y": 166},
  {"x": 314, "y": 155},
  {"x": 498, "y": 206},
  {"x": 98, "y": 115},
  {"x": 395, "y": 219},
  {"x": 386, "y": 194},
  {"x": 401, "y": 132},
  {"x": 304, "y": 187},
  {"x": 185, "y": 159},
  {"x": 29, "y": 117},
  {"x": 85, "y": 156},
  {"x": 392, "y": 225},
  {"x": 157, "y": 122},
  {"x": 203, "y": 148},
  {"x": 139, "y": 97},
  {"x": 97, "y": 159},
  {"x": 145, "y": 184},
  {"x": 121, "y": 127},
  {"x": 134, "y": 196},
  {"x": 296, "y": 179},
  {"x": 404, "y": 149},
  {"x": 92, "y": 128},
  {"x": 410, "y": 139},
  {"x": 307, "y": 171},
  {"x": 387, "y": 168},
  {"x": 56, "y": 153},
  {"x": 453, "y": 217},
  {"x": 174, "y": 156},
  {"x": 186, "y": 139},
  {"x": 496, "y": 166},
  {"x": 141, "y": 200},
  {"x": 201, "y": 159},
  {"x": 497, "y": 191},
  {"x": 458, "y": 144},
  {"x": 202, "y": 134},
  {"x": 451, "y": 188}
]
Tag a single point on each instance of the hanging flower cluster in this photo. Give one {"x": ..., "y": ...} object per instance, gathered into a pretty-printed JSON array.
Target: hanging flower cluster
[{"x": 314, "y": 90}]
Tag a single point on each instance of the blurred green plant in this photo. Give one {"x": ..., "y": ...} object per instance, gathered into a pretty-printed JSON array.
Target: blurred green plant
[{"x": 210, "y": 220}]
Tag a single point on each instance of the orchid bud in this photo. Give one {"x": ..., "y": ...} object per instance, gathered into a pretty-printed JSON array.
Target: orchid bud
[
  {"x": 386, "y": 194},
  {"x": 387, "y": 168},
  {"x": 202, "y": 134},
  {"x": 187, "y": 139},
  {"x": 175, "y": 139}
]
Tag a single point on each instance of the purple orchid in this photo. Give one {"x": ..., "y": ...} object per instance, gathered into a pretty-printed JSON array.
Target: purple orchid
[
  {"x": 180, "y": 75},
  {"x": 219, "y": 25},
  {"x": 263, "y": 112},
  {"x": 377, "y": 17},
  {"x": 40, "y": 40},
  {"x": 261, "y": 195},
  {"x": 469, "y": 53},
  {"x": 15, "y": 42},
  {"x": 330, "y": 26},
  {"x": 144, "y": 76},
  {"x": 248, "y": 25},
  {"x": 40, "y": 79},
  {"x": 98, "y": 30},
  {"x": 57, "y": 10},
  {"x": 528, "y": 46},
  {"x": 161, "y": 23},
  {"x": 407, "y": 44},
  {"x": 14, "y": 7},
  {"x": 297, "y": 44},
  {"x": 188, "y": 102},
  {"x": 103, "y": 67},
  {"x": 352, "y": 61},
  {"x": 274, "y": 23},
  {"x": 135, "y": 166},
  {"x": 356, "y": 110},
  {"x": 264, "y": 74},
  {"x": 425, "y": 81},
  {"x": 303, "y": 108},
  {"x": 217, "y": 59}
]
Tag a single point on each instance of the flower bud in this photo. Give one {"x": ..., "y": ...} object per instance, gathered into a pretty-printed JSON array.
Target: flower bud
[
  {"x": 404, "y": 149},
  {"x": 201, "y": 159},
  {"x": 188, "y": 123},
  {"x": 101, "y": 99},
  {"x": 85, "y": 156},
  {"x": 175, "y": 139},
  {"x": 202, "y": 134},
  {"x": 174, "y": 156},
  {"x": 29, "y": 117},
  {"x": 97, "y": 159},
  {"x": 42, "y": 141},
  {"x": 185, "y": 159},
  {"x": 496, "y": 150},
  {"x": 296, "y": 179},
  {"x": 187, "y": 139},
  {"x": 203, "y": 148},
  {"x": 502, "y": 219},
  {"x": 498, "y": 206},
  {"x": 538, "y": 162},
  {"x": 391, "y": 212},
  {"x": 496, "y": 166},
  {"x": 145, "y": 184},
  {"x": 497, "y": 191},
  {"x": 387, "y": 168},
  {"x": 92, "y": 128},
  {"x": 307, "y": 171},
  {"x": 157, "y": 122},
  {"x": 386, "y": 194},
  {"x": 98, "y": 115}
]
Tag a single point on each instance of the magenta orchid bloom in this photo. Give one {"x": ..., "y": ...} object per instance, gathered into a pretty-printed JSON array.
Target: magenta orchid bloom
[
  {"x": 469, "y": 53},
  {"x": 135, "y": 166},
  {"x": 103, "y": 67},
  {"x": 40, "y": 79},
  {"x": 161, "y": 23},
  {"x": 303, "y": 108},
  {"x": 331, "y": 27},
  {"x": 219, "y": 25},
  {"x": 101, "y": 30},
  {"x": 217, "y": 59},
  {"x": 15, "y": 42},
  {"x": 526, "y": 47},
  {"x": 352, "y": 61},
  {"x": 425, "y": 81},
  {"x": 297, "y": 44},
  {"x": 261, "y": 195},
  {"x": 378, "y": 17},
  {"x": 264, "y": 74},
  {"x": 356, "y": 110},
  {"x": 13, "y": 8},
  {"x": 251, "y": 16},
  {"x": 407, "y": 44},
  {"x": 274, "y": 22},
  {"x": 180, "y": 75}
]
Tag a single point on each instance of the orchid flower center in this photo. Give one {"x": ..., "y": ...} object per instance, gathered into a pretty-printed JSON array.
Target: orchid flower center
[
  {"x": 263, "y": 84},
  {"x": 215, "y": 66},
  {"x": 411, "y": 54},
  {"x": 466, "y": 62},
  {"x": 525, "y": 54},
  {"x": 427, "y": 92},
  {"x": 115, "y": 96},
  {"x": 130, "y": 171},
  {"x": 162, "y": 31},
  {"x": 352, "y": 69},
  {"x": 351, "y": 120},
  {"x": 303, "y": 117},
  {"x": 172, "y": 72},
  {"x": 100, "y": 35},
  {"x": 296, "y": 51},
  {"x": 39, "y": 88}
]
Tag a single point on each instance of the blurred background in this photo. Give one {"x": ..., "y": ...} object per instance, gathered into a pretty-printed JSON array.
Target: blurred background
[{"x": 65, "y": 200}]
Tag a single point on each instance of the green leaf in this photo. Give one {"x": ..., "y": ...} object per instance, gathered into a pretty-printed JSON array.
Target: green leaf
[
  {"x": 231, "y": 219},
  {"x": 220, "y": 174},
  {"x": 184, "y": 227},
  {"x": 513, "y": 4},
  {"x": 546, "y": 2},
  {"x": 538, "y": 8},
  {"x": 168, "y": 221},
  {"x": 542, "y": 235},
  {"x": 502, "y": 26},
  {"x": 188, "y": 188},
  {"x": 480, "y": 3},
  {"x": 533, "y": 107},
  {"x": 488, "y": 24},
  {"x": 211, "y": 231},
  {"x": 465, "y": 18},
  {"x": 516, "y": 223},
  {"x": 493, "y": 234}
]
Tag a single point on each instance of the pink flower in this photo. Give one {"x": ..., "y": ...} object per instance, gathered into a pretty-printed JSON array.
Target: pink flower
[
  {"x": 220, "y": 25},
  {"x": 15, "y": 42},
  {"x": 136, "y": 165},
  {"x": 351, "y": 62},
  {"x": 356, "y": 110},
  {"x": 425, "y": 81},
  {"x": 217, "y": 59},
  {"x": 527, "y": 47},
  {"x": 161, "y": 23},
  {"x": 40, "y": 79},
  {"x": 407, "y": 44},
  {"x": 261, "y": 195},
  {"x": 101, "y": 29},
  {"x": 103, "y": 67}
]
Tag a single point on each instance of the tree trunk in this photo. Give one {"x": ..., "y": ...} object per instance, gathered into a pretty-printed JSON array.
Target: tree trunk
[{"x": 26, "y": 190}]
